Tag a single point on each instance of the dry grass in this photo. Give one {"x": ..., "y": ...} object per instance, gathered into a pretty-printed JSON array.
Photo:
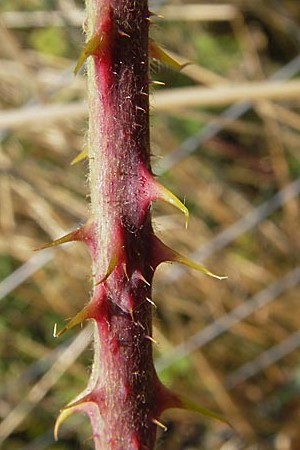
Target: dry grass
[{"x": 231, "y": 345}]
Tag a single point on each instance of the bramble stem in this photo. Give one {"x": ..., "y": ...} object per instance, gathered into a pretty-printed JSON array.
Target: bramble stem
[{"x": 122, "y": 388}]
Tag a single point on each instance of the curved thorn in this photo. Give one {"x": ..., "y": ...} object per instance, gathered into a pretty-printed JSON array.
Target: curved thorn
[
  {"x": 80, "y": 317},
  {"x": 192, "y": 406},
  {"x": 167, "y": 196},
  {"x": 79, "y": 406},
  {"x": 193, "y": 265},
  {"x": 64, "y": 414},
  {"x": 163, "y": 253},
  {"x": 111, "y": 267}
]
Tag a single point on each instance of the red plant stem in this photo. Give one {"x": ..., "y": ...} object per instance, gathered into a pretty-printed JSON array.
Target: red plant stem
[
  {"x": 124, "y": 397},
  {"x": 124, "y": 394}
]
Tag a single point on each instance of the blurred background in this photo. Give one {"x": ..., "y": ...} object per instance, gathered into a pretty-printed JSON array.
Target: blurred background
[{"x": 225, "y": 137}]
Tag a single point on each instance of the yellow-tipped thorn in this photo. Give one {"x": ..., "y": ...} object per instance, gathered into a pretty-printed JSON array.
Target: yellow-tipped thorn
[
  {"x": 159, "y": 424},
  {"x": 159, "y": 16},
  {"x": 192, "y": 406},
  {"x": 78, "y": 406},
  {"x": 80, "y": 157},
  {"x": 111, "y": 267},
  {"x": 157, "y": 52},
  {"x": 64, "y": 239},
  {"x": 166, "y": 254},
  {"x": 158, "y": 83},
  {"x": 95, "y": 46},
  {"x": 80, "y": 317},
  {"x": 64, "y": 414},
  {"x": 193, "y": 265},
  {"x": 167, "y": 196}
]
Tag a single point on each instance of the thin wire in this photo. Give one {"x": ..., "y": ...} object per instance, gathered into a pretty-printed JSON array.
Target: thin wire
[
  {"x": 39, "y": 390},
  {"x": 186, "y": 149},
  {"x": 232, "y": 113},
  {"x": 264, "y": 360},
  {"x": 246, "y": 223},
  {"x": 24, "y": 272},
  {"x": 224, "y": 323}
]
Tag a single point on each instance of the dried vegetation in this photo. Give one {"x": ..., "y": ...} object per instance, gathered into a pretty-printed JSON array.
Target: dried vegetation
[{"x": 231, "y": 149}]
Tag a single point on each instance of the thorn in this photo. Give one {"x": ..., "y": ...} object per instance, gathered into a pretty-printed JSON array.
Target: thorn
[
  {"x": 162, "y": 193},
  {"x": 124, "y": 267},
  {"x": 111, "y": 267},
  {"x": 150, "y": 338},
  {"x": 82, "y": 234},
  {"x": 79, "y": 406},
  {"x": 163, "y": 253},
  {"x": 190, "y": 405},
  {"x": 141, "y": 109},
  {"x": 142, "y": 278},
  {"x": 158, "y": 423},
  {"x": 94, "y": 47},
  {"x": 55, "y": 330},
  {"x": 80, "y": 157},
  {"x": 151, "y": 302},
  {"x": 80, "y": 317},
  {"x": 157, "y": 83},
  {"x": 131, "y": 312},
  {"x": 73, "y": 236},
  {"x": 156, "y": 52},
  {"x": 193, "y": 265},
  {"x": 122, "y": 33},
  {"x": 141, "y": 325},
  {"x": 159, "y": 16},
  {"x": 64, "y": 414},
  {"x": 150, "y": 20}
]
